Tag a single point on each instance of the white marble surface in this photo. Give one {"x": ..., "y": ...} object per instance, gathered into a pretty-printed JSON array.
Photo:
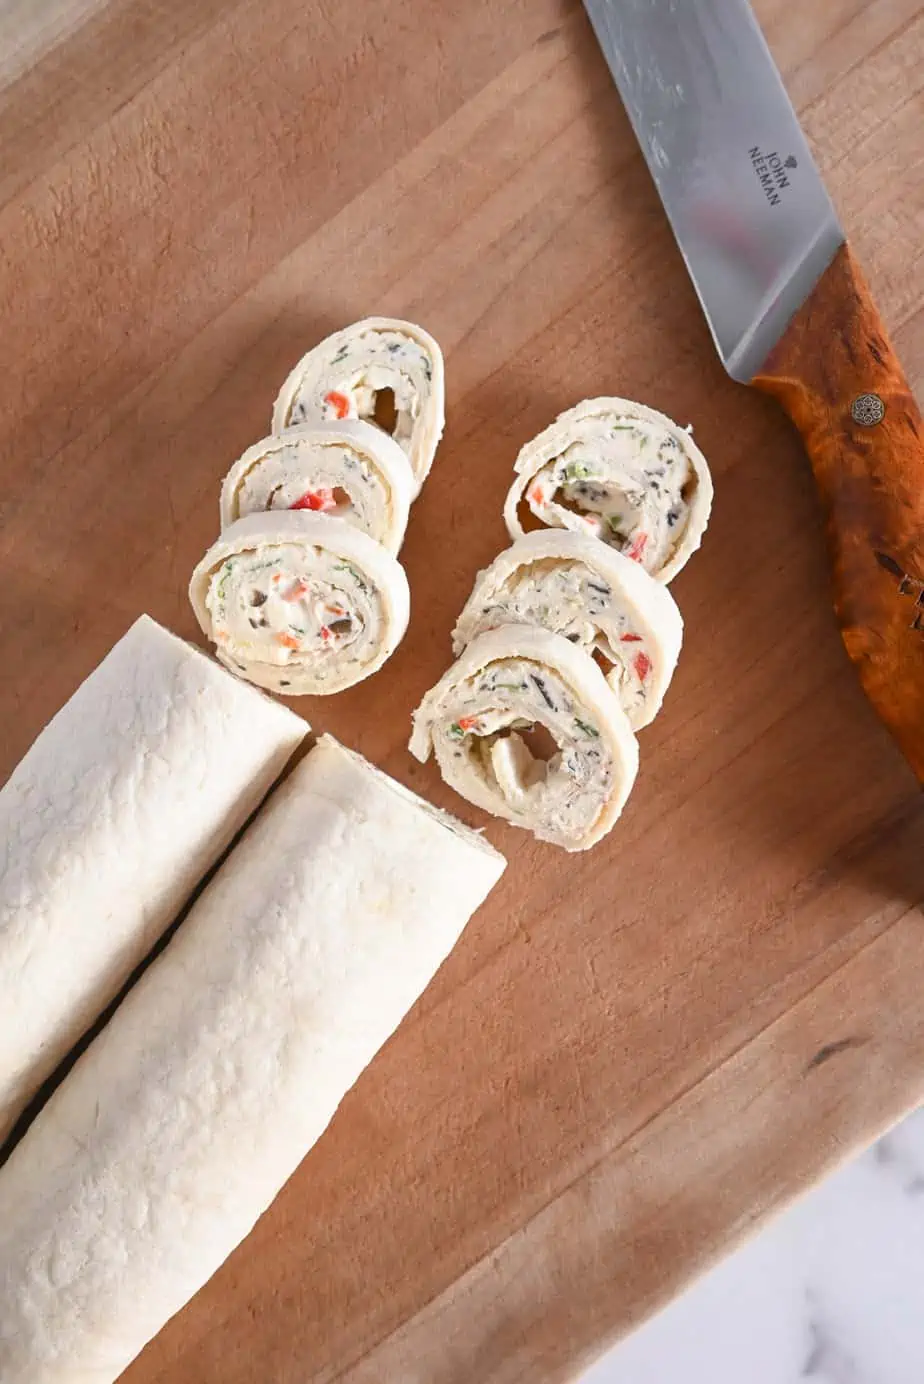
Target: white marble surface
[{"x": 831, "y": 1292}]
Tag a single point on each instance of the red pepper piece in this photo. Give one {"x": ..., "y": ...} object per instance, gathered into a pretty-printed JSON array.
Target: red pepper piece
[
  {"x": 467, "y": 722},
  {"x": 630, "y": 639},
  {"x": 321, "y": 500},
  {"x": 338, "y": 401},
  {"x": 638, "y": 547},
  {"x": 325, "y": 633},
  {"x": 642, "y": 665}
]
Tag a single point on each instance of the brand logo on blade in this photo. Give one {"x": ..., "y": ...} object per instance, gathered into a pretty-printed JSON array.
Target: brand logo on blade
[{"x": 772, "y": 172}]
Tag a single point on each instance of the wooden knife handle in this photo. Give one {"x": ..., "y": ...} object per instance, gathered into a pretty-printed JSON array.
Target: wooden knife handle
[{"x": 834, "y": 370}]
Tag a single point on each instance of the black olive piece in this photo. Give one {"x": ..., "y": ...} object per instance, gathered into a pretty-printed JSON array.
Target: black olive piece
[{"x": 540, "y": 685}]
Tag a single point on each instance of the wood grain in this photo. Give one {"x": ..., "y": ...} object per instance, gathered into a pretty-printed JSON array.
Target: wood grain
[
  {"x": 835, "y": 360},
  {"x": 615, "y": 1075}
]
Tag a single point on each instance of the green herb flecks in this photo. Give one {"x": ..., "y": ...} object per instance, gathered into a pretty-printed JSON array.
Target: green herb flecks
[
  {"x": 456, "y": 731},
  {"x": 345, "y": 567},
  {"x": 587, "y": 728},
  {"x": 261, "y": 566},
  {"x": 224, "y": 578},
  {"x": 576, "y": 471}
]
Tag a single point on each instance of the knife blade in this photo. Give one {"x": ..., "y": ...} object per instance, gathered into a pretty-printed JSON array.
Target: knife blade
[{"x": 789, "y": 309}]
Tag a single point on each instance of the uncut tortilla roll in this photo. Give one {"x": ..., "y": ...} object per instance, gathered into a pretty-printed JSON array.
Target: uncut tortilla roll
[
  {"x": 351, "y": 373},
  {"x": 515, "y": 679},
  {"x": 621, "y": 472},
  {"x": 120, "y": 807},
  {"x": 225, "y": 1063},
  {"x": 299, "y": 603},
  {"x": 594, "y": 596},
  {"x": 350, "y": 470}
]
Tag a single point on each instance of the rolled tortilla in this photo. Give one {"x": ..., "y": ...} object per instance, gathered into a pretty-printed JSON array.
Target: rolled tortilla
[
  {"x": 300, "y": 603},
  {"x": 594, "y": 596},
  {"x": 516, "y": 678},
  {"x": 345, "y": 375},
  {"x": 621, "y": 472},
  {"x": 350, "y": 470},
  {"x": 122, "y": 804},
  {"x": 225, "y": 1063}
]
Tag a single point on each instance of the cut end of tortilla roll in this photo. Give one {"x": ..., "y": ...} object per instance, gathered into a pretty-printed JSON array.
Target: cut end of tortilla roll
[
  {"x": 387, "y": 372},
  {"x": 300, "y": 603},
  {"x": 620, "y": 472},
  {"x": 525, "y": 726}
]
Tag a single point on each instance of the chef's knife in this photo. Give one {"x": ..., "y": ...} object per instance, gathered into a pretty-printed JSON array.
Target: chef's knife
[{"x": 788, "y": 308}]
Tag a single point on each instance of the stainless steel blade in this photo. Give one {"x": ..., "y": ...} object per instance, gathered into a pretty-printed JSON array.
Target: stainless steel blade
[{"x": 745, "y": 200}]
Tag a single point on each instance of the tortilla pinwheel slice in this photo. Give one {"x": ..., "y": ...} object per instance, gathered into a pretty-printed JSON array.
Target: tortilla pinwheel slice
[
  {"x": 486, "y": 720},
  {"x": 349, "y": 469},
  {"x": 622, "y": 473},
  {"x": 594, "y": 596},
  {"x": 300, "y": 603},
  {"x": 381, "y": 370}
]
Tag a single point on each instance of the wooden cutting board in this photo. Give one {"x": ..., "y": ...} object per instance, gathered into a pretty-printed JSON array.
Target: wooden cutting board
[{"x": 633, "y": 1056}]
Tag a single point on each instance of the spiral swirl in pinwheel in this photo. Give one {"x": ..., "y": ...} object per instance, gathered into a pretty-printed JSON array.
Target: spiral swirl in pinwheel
[
  {"x": 298, "y": 603},
  {"x": 622, "y": 473},
  {"x": 381, "y": 370},
  {"x": 350, "y": 470},
  {"x": 481, "y": 715},
  {"x": 596, "y": 598}
]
